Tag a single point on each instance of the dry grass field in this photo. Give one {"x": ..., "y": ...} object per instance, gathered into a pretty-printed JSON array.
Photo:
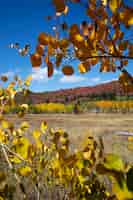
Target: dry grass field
[{"x": 81, "y": 126}]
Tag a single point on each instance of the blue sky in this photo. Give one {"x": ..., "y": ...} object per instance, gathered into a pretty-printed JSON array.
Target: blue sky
[{"x": 22, "y": 21}]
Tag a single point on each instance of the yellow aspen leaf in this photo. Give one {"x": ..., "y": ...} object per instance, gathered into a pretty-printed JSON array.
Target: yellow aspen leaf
[
  {"x": 79, "y": 38},
  {"x": 36, "y": 134},
  {"x": 104, "y": 2},
  {"x": 122, "y": 193},
  {"x": 24, "y": 106},
  {"x": 2, "y": 136},
  {"x": 84, "y": 67},
  {"x": 28, "y": 81},
  {"x": 20, "y": 146},
  {"x": 66, "y": 10},
  {"x": 43, "y": 126},
  {"x": 92, "y": 35},
  {"x": 114, "y": 5},
  {"x": 130, "y": 138},
  {"x": 25, "y": 170},
  {"x": 130, "y": 21},
  {"x": 39, "y": 144},
  {"x": 36, "y": 60},
  {"x": 24, "y": 126},
  {"x": 87, "y": 155},
  {"x": 67, "y": 70},
  {"x": 5, "y": 124}
]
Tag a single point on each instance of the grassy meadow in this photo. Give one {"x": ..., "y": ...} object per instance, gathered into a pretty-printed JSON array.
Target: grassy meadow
[{"x": 80, "y": 126}]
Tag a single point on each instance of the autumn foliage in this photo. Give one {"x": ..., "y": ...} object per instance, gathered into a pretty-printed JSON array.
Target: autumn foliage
[
  {"x": 38, "y": 163},
  {"x": 101, "y": 39}
]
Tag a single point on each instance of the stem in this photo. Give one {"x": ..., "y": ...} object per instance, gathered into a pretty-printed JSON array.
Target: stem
[
  {"x": 6, "y": 157},
  {"x": 111, "y": 56},
  {"x": 13, "y": 153},
  {"x": 38, "y": 193},
  {"x": 8, "y": 161}
]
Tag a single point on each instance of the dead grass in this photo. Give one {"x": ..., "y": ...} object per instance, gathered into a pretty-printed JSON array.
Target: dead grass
[{"x": 81, "y": 125}]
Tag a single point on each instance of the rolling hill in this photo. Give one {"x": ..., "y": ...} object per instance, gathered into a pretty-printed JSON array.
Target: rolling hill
[{"x": 104, "y": 90}]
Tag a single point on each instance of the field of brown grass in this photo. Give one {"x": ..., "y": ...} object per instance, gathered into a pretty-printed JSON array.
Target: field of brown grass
[{"x": 81, "y": 126}]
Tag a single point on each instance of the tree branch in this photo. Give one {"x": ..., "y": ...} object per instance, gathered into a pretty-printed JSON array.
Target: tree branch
[{"x": 111, "y": 56}]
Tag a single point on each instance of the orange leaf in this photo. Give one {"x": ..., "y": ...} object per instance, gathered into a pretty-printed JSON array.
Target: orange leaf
[
  {"x": 40, "y": 49},
  {"x": 67, "y": 70},
  {"x": 36, "y": 60},
  {"x": 43, "y": 39},
  {"x": 59, "y": 5}
]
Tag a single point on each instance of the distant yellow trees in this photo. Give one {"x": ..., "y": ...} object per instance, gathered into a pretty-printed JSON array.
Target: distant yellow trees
[{"x": 115, "y": 106}]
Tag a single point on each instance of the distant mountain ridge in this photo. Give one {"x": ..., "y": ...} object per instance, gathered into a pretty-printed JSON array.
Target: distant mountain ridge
[{"x": 73, "y": 94}]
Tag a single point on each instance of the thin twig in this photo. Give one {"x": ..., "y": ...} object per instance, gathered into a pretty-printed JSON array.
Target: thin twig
[
  {"x": 8, "y": 161},
  {"x": 13, "y": 153}
]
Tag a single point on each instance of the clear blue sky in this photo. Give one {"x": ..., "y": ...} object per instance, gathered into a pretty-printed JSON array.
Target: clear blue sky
[{"x": 22, "y": 21}]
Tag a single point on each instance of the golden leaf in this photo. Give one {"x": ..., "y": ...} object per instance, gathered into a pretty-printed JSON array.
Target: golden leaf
[
  {"x": 66, "y": 10},
  {"x": 20, "y": 146},
  {"x": 130, "y": 21},
  {"x": 104, "y": 2},
  {"x": 114, "y": 5},
  {"x": 2, "y": 136},
  {"x": 67, "y": 70},
  {"x": 79, "y": 38},
  {"x": 36, "y": 134},
  {"x": 43, "y": 126},
  {"x": 28, "y": 81},
  {"x": 25, "y": 170},
  {"x": 24, "y": 126},
  {"x": 84, "y": 67}
]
